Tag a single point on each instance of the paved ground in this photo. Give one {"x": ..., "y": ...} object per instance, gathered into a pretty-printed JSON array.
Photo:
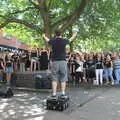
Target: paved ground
[
  {"x": 103, "y": 107},
  {"x": 86, "y": 104}
]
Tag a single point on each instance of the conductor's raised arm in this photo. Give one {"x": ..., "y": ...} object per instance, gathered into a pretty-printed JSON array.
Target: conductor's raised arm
[
  {"x": 73, "y": 37},
  {"x": 46, "y": 38}
]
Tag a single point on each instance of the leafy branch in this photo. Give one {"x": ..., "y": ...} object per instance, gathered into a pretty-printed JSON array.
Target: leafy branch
[
  {"x": 69, "y": 20},
  {"x": 14, "y": 20}
]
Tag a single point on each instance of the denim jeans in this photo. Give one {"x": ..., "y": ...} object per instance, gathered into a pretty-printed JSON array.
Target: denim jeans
[
  {"x": 108, "y": 72},
  {"x": 117, "y": 76}
]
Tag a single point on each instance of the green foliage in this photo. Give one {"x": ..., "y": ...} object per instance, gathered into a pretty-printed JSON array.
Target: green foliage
[
  {"x": 16, "y": 9},
  {"x": 24, "y": 34},
  {"x": 99, "y": 23},
  {"x": 100, "y": 26}
]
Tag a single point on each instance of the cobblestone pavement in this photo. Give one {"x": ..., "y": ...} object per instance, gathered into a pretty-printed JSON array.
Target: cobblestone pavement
[{"x": 30, "y": 105}]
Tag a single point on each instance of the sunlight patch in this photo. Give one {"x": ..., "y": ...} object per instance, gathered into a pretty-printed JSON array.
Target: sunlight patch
[
  {"x": 86, "y": 92},
  {"x": 11, "y": 112},
  {"x": 101, "y": 97},
  {"x": 22, "y": 94},
  {"x": 3, "y": 105},
  {"x": 35, "y": 111},
  {"x": 37, "y": 118}
]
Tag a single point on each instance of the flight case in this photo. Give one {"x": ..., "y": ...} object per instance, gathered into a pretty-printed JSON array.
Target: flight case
[{"x": 58, "y": 103}]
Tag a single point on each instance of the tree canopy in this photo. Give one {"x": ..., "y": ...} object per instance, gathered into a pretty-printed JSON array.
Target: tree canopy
[{"x": 97, "y": 20}]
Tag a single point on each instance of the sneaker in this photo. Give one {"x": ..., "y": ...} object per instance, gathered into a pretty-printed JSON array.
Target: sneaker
[
  {"x": 107, "y": 83},
  {"x": 53, "y": 96},
  {"x": 63, "y": 96},
  {"x": 112, "y": 83}
]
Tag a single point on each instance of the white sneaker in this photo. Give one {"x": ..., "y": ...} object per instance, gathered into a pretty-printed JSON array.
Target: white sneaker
[{"x": 112, "y": 83}]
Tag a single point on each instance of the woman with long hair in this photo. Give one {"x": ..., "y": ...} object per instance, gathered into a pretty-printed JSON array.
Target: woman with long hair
[
  {"x": 108, "y": 70},
  {"x": 9, "y": 69},
  {"x": 99, "y": 66}
]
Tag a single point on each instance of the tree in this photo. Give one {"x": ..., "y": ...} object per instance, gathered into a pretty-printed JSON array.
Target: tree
[
  {"x": 100, "y": 25},
  {"x": 42, "y": 15},
  {"x": 98, "y": 20}
]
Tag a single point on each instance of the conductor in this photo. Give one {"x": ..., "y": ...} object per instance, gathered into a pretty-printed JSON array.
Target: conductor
[{"x": 59, "y": 64}]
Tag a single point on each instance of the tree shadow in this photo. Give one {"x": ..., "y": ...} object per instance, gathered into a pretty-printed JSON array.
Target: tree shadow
[{"x": 23, "y": 106}]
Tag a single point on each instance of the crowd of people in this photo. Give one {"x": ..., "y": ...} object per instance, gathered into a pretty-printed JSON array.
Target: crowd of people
[
  {"x": 96, "y": 68},
  {"x": 22, "y": 61}
]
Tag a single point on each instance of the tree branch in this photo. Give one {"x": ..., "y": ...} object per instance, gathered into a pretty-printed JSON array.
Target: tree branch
[
  {"x": 70, "y": 19},
  {"x": 50, "y": 3},
  {"x": 61, "y": 21},
  {"x": 34, "y": 4},
  {"x": 4, "y": 24},
  {"x": 75, "y": 15},
  {"x": 27, "y": 24},
  {"x": 2, "y": 16},
  {"x": 41, "y": 2},
  {"x": 44, "y": 12}
]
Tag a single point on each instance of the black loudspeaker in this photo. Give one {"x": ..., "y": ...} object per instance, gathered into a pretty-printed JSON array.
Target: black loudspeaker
[
  {"x": 6, "y": 92},
  {"x": 58, "y": 103},
  {"x": 43, "y": 81},
  {"x": 44, "y": 61}
]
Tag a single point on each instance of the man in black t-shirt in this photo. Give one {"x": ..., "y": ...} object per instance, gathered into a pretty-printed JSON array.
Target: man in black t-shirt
[{"x": 59, "y": 64}]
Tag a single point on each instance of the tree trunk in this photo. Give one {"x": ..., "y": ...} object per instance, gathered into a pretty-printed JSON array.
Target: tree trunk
[
  {"x": 70, "y": 34},
  {"x": 48, "y": 33}
]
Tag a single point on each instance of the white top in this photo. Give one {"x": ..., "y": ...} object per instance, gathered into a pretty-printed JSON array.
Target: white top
[{"x": 80, "y": 68}]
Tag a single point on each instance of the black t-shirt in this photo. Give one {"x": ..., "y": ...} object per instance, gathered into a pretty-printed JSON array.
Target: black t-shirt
[
  {"x": 15, "y": 58},
  {"x": 28, "y": 63},
  {"x": 33, "y": 53},
  {"x": 23, "y": 58},
  {"x": 90, "y": 64},
  {"x": 99, "y": 64},
  {"x": 9, "y": 63},
  {"x": 58, "y": 48}
]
